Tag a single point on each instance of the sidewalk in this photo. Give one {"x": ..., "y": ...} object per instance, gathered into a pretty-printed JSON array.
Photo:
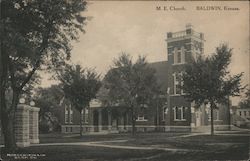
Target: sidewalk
[{"x": 100, "y": 144}]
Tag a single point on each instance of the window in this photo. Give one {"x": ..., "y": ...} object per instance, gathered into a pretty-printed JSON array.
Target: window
[
  {"x": 196, "y": 52},
  {"x": 180, "y": 113},
  {"x": 141, "y": 116},
  {"x": 164, "y": 112},
  {"x": 85, "y": 115},
  {"x": 66, "y": 115},
  {"x": 178, "y": 83},
  {"x": 179, "y": 56},
  {"x": 216, "y": 114},
  {"x": 71, "y": 115},
  {"x": 245, "y": 113},
  {"x": 240, "y": 113},
  {"x": 183, "y": 59}
]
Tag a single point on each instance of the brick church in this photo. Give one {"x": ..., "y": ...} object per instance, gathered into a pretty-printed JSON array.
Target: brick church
[{"x": 172, "y": 111}]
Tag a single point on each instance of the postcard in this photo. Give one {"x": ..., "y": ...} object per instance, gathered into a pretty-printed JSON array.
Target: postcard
[{"x": 124, "y": 80}]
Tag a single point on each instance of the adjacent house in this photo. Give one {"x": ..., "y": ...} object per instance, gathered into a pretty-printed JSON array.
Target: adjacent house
[
  {"x": 241, "y": 117},
  {"x": 171, "y": 112}
]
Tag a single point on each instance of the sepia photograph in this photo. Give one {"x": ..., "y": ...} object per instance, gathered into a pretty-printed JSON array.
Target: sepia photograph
[{"x": 99, "y": 80}]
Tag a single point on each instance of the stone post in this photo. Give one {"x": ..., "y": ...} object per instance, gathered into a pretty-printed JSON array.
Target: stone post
[
  {"x": 99, "y": 120},
  {"x": 33, "y": 125},
  {"x": 22, "y": 125}
]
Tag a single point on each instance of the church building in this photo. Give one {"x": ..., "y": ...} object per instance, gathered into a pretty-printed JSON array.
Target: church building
[{"x": 172, "y": 112}]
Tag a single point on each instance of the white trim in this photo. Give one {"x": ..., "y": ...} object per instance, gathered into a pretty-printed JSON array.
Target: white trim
[{"x": 184, "y": 38}]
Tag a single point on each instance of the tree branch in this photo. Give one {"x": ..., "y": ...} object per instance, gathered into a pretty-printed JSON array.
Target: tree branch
[{"x": 37, "y": 64}]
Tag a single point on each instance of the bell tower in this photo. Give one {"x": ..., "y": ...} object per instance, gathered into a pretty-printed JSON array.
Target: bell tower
[{"x": 182, "y": 47}]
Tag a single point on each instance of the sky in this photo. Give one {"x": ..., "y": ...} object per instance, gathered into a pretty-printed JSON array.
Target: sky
[{"x": 137, "y": 28}]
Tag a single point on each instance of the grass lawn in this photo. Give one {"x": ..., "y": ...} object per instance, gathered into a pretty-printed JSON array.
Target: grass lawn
[
  {"x": 202, "y": 147},
  {"x": 59, "y": 138}
]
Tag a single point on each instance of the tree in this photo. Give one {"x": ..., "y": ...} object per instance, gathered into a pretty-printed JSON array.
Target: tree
[
  {"x": 207, "y": 80},
  {"x": 132, "y": 85},
  {"x": 245, "y": 102},
  {"x": 80, "y": 86},
  {"x": 33, "y": 33},
  {"x": 48, "y": 100}
]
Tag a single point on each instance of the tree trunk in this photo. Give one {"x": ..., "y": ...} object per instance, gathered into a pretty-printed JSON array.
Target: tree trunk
[
  {"x": 8, "y": 130},
  {"x": 81, "y": 123},
  {"x": 7, "y": 113},
  {"x": 133, "y": 122},
  {"x": 229, "y": 114},
  {"x": 212, "y": 118}
]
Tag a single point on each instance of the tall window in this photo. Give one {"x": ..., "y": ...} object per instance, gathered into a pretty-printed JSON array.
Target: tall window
[
  {"x": 164, "y": 112},
  {"x": 180, "y": 113},
  {"x": 66, "y": 112},
  {"x": 215, "y": 112},
  {"x": 71, "y": 115},
  {"x": 178, "y": 83},
  {"x": 179, "y": 56},
  {"x": 142, "y": 115},
  {"x": 85, "y": 115}
]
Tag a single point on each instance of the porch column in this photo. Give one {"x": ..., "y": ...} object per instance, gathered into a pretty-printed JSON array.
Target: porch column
[
  {"x": 122, "y": 122},
  {"x": 91, "y": 120},
  {"x": 99, "y": 120},
  {"x": 109, "y": 121}
]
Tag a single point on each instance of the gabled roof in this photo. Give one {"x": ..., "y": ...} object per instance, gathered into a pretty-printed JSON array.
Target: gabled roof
[{"x": 161, "y": 74}]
